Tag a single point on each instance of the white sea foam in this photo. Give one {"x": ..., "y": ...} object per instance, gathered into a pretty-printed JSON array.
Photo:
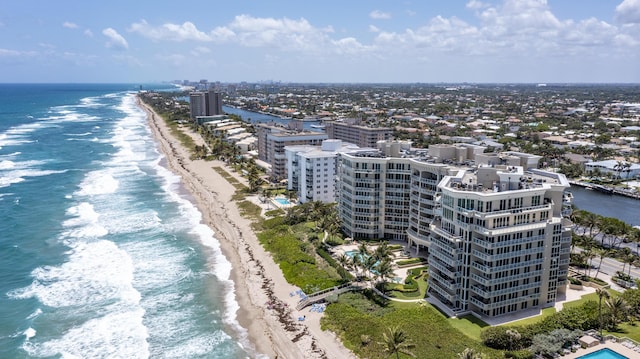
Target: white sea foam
[
  {"x": 96, "y": 273},
  {"x": 98, "y": 182},
  {"x": 30, "y": 333},
  {"x": 7, "y": 165},
  {"x": 78, "y": 134},
  {"x": 7, "y": 178},
  {"x": 35, "y": 314},
  {"x": 115, "y": 335},
  {"x": 84, "y": 223},
  {"x": 220, "y": 264}
]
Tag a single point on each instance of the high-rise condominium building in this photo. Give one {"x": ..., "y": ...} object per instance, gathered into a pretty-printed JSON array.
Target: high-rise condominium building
[
  {"x": 499, "y": 244},
  {"x": 272, "y": 141},
  {"x": 197, "y": 104},
  {"x": 213, "y": 103},
  {"x": 205, "y": 104},
  {"x": 312, "y": 169},
  {"x": 492, "y": 223},
  {"x": 352, "y": 131}
]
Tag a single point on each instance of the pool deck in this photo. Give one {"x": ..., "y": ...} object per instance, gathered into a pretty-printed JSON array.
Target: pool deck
[{"x": 617, "y": 347}]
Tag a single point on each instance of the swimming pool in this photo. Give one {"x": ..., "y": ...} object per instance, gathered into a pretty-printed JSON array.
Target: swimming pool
[
  {"x": 282, "y": 201},
  {"x": 605, "y": 353}
]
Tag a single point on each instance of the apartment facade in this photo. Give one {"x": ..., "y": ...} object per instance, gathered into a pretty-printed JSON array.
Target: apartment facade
[
  {"x": 491, "y": 223},
  {"x": 197, "y": 104},
  {"x": 498, "y": 244},
  {"x": 373, "y": 193},
  {"x": 272, "y": 141},
  {"x": 205, "y": 104},
  {"x": 311, "y": 170},
  {"x": 353, "y": 132}
]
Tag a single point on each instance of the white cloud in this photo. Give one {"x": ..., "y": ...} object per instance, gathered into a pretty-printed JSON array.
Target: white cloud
[
  {"x": 514, "y": 29},
  {"x": 69, "y": 25},
  {"x": 8, "y": 53},
  {"x": 88, "y": 33},
  {"x": 169, "y": 31},
  {"x": 200, "y": 50},
  {"x": 373, "y": 28},
  {"x": 349, "y": 45},
  {"x": 116, "y": 40},
  {"x": 475, "y": 4},
  {"x": 176, "y": 60},
  {"x": 379, "y": 15},
  {"x": 286, "y": 34},
  {"x": 628, "y": 12}
]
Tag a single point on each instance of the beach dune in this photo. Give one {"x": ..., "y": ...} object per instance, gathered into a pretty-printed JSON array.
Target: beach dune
[{"x": 267, "y": 310}]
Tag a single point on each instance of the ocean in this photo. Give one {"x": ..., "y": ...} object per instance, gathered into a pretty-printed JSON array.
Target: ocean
[{"x": 102, "y": 254}]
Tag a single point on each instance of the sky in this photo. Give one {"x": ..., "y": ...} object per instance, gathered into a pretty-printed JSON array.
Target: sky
[{"x": 328, "y": 41}]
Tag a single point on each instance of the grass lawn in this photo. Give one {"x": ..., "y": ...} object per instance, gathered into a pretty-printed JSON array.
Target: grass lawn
[
  {"x": 626, "y": 330},
  {"x": 360, "y": 322},
  {"x": 469, "y": 325},
  {"x": 589, "y": 297}
]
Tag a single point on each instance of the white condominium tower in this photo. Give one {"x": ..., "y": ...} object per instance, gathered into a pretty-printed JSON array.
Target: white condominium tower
[
  {"x": 499, "y": 244},
  {"x": 492, "y": 223},
  {"x": 311, "y": 170}
]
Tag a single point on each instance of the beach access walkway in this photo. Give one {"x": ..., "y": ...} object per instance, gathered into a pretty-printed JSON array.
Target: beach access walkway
[{"x": 323, "y": 294}]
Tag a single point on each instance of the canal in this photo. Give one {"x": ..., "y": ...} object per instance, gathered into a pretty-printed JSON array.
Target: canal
[
  {"x": 257, "y": 117},
  {"x": 624, "y": 208}
]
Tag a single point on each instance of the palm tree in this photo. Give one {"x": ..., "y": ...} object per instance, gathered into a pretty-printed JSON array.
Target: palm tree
[
  {"x": 592, "y": 221},
  {"x": 369, "y": 263},
  {"x": 343, "y": 260},
  {"x": 627, "y": 168},
  {"x": 384, "y": 270},
  {"x": 589, "y": 255},
  {"x": 469, "y": 353},
  {"x": 396, "y": 342},
  {"x": 601, "y": 252},
  {"x": 382, "y": 252},
  {"x": 618, "y": 167},
  {"x": 618, "y": 308},
  {"x": 602, "y": 293}
]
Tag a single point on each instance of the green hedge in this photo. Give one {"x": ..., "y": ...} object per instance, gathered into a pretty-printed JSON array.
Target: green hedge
[
  {"x": 298, "y": 266},
  {"x": 346, "y": 276},
  {"x": 410, "y": 261}
]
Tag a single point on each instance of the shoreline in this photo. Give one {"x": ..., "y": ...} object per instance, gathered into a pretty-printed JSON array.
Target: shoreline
[{"x": 266, "y": 309}]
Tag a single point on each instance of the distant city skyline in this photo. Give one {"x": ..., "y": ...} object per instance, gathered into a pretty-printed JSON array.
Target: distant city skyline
[{"x": 507, "y": 41}]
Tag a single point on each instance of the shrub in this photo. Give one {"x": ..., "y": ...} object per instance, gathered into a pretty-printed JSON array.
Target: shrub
[
  {"x": 574, "y": 281},
  {"x": 410, "y": 261},
  {"x": 416, "y": 272},
  {"x": 518, "y": 354}
]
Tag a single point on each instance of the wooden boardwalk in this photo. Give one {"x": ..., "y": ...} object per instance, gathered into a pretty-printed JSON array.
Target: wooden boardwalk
[{"x": 323, "y": 294}]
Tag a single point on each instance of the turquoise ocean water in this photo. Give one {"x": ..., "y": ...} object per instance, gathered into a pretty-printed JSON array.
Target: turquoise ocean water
[{"x": 102, "y": 255}]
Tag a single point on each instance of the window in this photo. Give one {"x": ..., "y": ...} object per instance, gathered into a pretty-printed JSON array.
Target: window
[{"x": 535, "y": 200}]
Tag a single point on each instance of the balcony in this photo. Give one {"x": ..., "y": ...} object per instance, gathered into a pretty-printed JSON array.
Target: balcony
[
  {"x": 494, "y": 257},
  {"x": 488, "y": 306},
  {"x": 445, "y": 234},
  {"x": 486, "y": 279},
  {"x": 449, "y": 260},
  {"x": 447, "y": 283},
  {"x": 442, "y": 292},
  {"x": 482, "y": 279},
  {"x": 510, "y": 229},
  {"x": 481, "y": 267},
  {"x": 489, "y": 245},
  {"x": 491, "y": 214},
  {"x": 443, "y": 267}
]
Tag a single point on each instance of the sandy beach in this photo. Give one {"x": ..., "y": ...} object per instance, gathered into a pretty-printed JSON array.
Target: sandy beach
[{"x": 267, "y": 308}]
